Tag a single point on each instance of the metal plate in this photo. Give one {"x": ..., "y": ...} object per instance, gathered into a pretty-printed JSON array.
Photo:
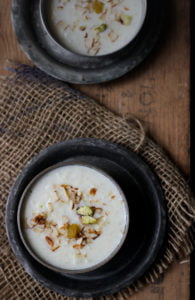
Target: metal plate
[
  {"x": 74, "y": 68},
  {"x": 147, "y": 225}
]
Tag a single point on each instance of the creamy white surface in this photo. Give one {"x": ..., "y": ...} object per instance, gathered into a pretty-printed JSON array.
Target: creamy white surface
[
  {"x": 83, "y": 178},
  {"x": 73, "y": 38}
]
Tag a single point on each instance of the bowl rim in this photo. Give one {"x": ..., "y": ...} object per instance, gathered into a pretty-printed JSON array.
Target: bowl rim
[{"x": 42, "y": 261}]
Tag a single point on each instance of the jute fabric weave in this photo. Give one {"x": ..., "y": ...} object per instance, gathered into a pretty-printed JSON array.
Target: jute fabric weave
[{"x": 37, "y": 111}]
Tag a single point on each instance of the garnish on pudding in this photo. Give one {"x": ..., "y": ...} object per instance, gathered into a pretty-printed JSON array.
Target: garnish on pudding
[
  {"x": 85, "y": 26},
  {"x": 40, "y": 219},
  {"x": 76, "y": 231},
  {"x": 93, "y": 191},
  {"x": 71, "y": 214},
  {"x": 85, "y": 211}
]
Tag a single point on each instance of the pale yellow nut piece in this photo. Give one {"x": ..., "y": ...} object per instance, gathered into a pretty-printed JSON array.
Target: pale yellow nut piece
[
  {"x": 85, "y": 211},
  {"x": 88, "y": 220},
  {"x": 125, "y": 19}
]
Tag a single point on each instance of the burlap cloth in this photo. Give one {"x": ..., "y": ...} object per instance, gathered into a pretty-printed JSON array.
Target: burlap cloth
[{"x": 37, "y": 111}]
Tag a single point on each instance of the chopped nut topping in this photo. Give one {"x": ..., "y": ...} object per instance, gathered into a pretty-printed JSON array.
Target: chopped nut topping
[
  {"x": 59, "y": 194},
  {"x": 82, "y": 28},
  {"x": 100, "y": 220},
  {"x": 54, "y": 249},
  {"x": 98, "y": 6},
  {"x": 39, "y": 230},
  {"x": 49, "y": 241},
  {"x": 73, "y": 231},
  {"x": 101, "y": 28},
  {"x": 88, "y": 220},
  {"x": 95, "y": 233},
  {"x": 98, "y": 210},
  {"x": 103, "y": 15},
  {"x": 113, "y": 36},
  {"x": 85, "y": 211},
  {"x": 65, "y": 226},
  {"x": 77, "y": 246},
  {"x": 40, "y": 219},
  {"x": 92, "y": 191},
  {"x": 125, "y": 19},
  {"x": 73, "y": 194},
  {"x": 109, "y": 11},
  {"x": 55, "y": 234}
]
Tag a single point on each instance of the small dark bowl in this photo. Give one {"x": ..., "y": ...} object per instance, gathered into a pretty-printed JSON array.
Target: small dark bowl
[
  {"x": 30, "y": 24},
  {"x": 45, "y": 263},
  {"x": 75, "y": 59},
  {"x": 146, "y": 233}
]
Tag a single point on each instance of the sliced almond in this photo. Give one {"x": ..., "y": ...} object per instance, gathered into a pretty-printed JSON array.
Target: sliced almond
[
  {"x": 54, "y": 249},
  {"x": 49, "y": 241},
  {"x": 77, "y": 246},
  {"x": 113, "y": 36}
]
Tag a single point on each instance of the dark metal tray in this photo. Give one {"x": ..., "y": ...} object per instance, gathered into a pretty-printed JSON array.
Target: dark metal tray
[{"x": 147, "y": 217}]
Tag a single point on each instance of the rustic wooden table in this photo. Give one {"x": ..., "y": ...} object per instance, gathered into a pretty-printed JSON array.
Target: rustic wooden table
[{"x": 157, "y": 92}]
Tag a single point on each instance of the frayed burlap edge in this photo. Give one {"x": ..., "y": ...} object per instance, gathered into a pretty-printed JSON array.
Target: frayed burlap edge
[{"x": 37, "y": 111}]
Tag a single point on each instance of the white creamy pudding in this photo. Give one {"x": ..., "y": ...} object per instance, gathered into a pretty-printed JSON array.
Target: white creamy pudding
[
  {"x": 95, "y": 27},
  {"x": 74, "y": 217}
]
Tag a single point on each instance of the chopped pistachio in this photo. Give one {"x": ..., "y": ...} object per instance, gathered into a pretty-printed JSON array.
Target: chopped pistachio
[
  {"x": 73, "y": 231},
  {"x": 88, "y": 220},
  {"x": 85, "y": 211},
  {"x": 101, "y": 28},
  {"x": 125, "y": 19}
]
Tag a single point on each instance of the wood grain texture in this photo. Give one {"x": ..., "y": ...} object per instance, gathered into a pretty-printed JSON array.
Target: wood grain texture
[{"x": 157, "y": 92}]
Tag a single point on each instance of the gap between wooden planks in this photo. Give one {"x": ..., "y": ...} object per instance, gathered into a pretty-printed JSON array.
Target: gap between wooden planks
[{"x": 157, "y": 92}]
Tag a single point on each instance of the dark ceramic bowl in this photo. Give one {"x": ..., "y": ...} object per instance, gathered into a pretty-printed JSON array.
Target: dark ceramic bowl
[
  {"x": 31, "y": 29},
  {"x": 62, "y": 53},
  {"x": 146, "y": 233},
  {"x": 22, "y": 233}
]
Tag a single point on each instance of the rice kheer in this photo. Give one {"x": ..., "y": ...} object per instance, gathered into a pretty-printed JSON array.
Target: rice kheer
[
  {"x": 96, "y": 27},
  {"x": 74, "y": 217}
]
